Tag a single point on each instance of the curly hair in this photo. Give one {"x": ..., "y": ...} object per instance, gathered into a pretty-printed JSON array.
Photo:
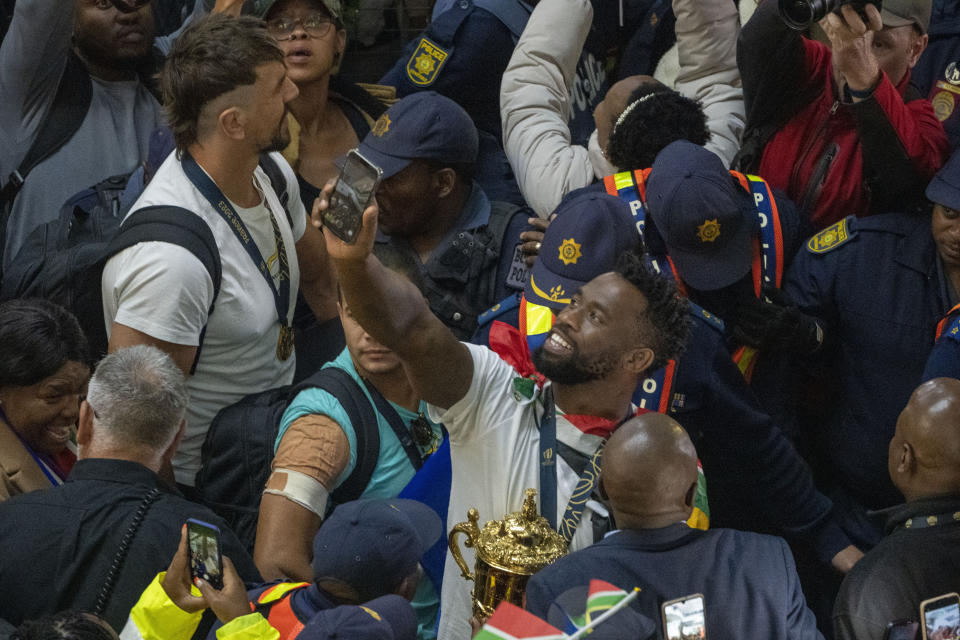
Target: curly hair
[
  {"x": 213, "y": 56},
  {"x": 665, "y": 323},
  {"x": 662, "y": 117},
  {"x": 67, "y": 625}
]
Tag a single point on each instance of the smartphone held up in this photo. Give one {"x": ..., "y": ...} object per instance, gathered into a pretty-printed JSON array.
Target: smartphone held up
[
  {"x": 206, "y": 558},
  {"x": 352, "y": 194}
]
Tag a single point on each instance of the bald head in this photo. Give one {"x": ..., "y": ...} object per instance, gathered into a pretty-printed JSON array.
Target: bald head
[
  {"x": 649, "y": 472},
  {"x": 924, "y": 455}
]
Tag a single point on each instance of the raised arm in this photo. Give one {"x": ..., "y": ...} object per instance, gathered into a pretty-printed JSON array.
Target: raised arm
[
  {"x": 707, "y": 47},
  {"x": 32, "y": 59},
  {"x": 391, "y": 309},
  {"x": 534, "y": 104}
]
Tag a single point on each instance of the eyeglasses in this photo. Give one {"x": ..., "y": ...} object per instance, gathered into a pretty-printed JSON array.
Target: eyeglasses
[{"x": 316, "y": 25}]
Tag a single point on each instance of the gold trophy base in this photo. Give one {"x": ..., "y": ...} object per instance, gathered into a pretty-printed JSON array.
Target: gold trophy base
[{"x": 494, "y": 586}]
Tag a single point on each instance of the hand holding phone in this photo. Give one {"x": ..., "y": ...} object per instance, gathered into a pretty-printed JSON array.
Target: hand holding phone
[
  {"x": 203, "y": 544},
  {"x": 351, "y": 195}
]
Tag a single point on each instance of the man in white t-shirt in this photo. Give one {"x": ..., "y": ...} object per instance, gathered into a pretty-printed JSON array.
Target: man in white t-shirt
[
  {"x": 615, "y": 328},
  {"x": 225, "y": 89}
]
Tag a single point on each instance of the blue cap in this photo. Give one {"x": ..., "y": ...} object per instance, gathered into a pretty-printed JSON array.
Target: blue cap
[
  {"x": 707, "y": 221},
  {"x": 386, "y": 618},
  {"x": 589, "y": 233},
  {"x": 372, "y": 545},
  {"x": 944, "y": 189},
  {"x": 422, "y": 126}
]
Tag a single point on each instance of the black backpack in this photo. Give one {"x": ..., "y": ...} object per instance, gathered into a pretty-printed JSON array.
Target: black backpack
[
  {"x": 238, "y": 448},
  {"x": 62, "y": 260}
]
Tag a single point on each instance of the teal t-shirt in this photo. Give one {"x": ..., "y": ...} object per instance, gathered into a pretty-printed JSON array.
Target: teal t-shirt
[{"x": 393, "y": 470}]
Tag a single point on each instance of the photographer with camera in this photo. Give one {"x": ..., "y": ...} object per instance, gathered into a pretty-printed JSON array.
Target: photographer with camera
[{"x": 838, "y": 127}]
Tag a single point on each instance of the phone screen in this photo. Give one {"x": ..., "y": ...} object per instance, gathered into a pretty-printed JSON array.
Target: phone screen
[
  {"x": 684, "y": 619},
  {"x": 357, "y": 183},
  {"x": 203, "y": 541},
  {"x": 941, "y": 618}
]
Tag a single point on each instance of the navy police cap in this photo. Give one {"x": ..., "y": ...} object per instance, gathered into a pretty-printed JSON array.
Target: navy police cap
[{"x": 421, "y": 126}]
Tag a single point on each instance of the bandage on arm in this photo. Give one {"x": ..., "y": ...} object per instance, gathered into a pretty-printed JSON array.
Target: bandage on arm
[{"x": 312, "y": 455}]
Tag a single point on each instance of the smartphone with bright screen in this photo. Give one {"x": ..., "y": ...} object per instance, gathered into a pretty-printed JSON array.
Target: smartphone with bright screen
[
  {"x": 351, "y": 195},
  {"x": 941, "y": 617},
  {"x": 203, "y": 544},
  {"x": 902, "y": 630},
  {"x": 684, "y": 618}
]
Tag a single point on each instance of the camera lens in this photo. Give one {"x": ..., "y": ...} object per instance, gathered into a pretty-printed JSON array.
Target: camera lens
[{"x": 800, "y": 14}]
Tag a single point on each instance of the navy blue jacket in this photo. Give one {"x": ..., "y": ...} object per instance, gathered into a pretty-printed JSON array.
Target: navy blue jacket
[
  {"x": 749, "y": 582},
  {"x": 934, "y": 75},
  {"x": 879, "y": 294},
  {"x": 755, "y": 478}
]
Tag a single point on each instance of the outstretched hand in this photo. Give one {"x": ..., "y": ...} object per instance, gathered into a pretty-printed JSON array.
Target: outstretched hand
[
  {"x": 851, "y": 42},
  {"x": 337, "y": 249}
]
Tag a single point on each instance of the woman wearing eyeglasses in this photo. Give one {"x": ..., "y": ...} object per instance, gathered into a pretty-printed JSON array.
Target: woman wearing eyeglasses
[{"x": 331, "y": 115}]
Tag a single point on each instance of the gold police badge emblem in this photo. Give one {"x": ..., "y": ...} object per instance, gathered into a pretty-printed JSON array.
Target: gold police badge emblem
[
  {"x": 943, "y": 105},
  {"x": 426, "y": 62},
  {"x": 570, "y": 251},
  {"x": 709, "y": 231},
  {"x": 830, "y": 238},
  {"x": 381, "y": 126}
]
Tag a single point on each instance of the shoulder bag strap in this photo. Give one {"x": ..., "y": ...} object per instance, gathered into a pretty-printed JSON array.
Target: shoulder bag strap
[{"x": 396, "y": 424}]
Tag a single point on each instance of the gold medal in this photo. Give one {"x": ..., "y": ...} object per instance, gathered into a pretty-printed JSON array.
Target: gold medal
[{"x": 285, "y": 342}]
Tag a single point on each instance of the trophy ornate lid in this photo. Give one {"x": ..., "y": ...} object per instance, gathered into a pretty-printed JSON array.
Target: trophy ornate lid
[{"x": 523, "y": 542}]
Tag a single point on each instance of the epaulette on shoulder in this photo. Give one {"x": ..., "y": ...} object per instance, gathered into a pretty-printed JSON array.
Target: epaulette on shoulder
[
  {"x": 836, "y": 235},
  {"x": 706, "y": 317},
  {"x": 507, "y": 304}
]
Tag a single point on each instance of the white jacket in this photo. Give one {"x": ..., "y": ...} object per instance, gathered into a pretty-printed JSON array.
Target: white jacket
[{"x": 534, "y": 93}]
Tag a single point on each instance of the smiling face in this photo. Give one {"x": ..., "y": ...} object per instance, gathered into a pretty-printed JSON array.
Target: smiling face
[
  {"x": 43, "y": 414},
  {"x": 112, "y": 38},
  {"x": 312, "y": 49},
  {"x": 593, "y": 333}
]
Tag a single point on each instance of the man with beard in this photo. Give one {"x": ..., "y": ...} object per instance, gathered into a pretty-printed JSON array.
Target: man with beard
[
  {"x": 225, "y": 89},
  {"x": 507, "y": 433},
  {"x": 97, "y": 49}
]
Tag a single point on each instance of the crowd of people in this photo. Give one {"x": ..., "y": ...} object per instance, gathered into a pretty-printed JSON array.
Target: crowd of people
[{"x": 689, "y": 271}]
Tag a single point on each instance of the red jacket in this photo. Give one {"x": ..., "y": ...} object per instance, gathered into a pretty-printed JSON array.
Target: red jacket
[{"x": 832, "y": 157}]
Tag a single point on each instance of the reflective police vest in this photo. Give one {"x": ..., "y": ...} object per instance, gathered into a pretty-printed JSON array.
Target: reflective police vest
[
  {"x": 274, "y": 605},
  {"x": 950, "y": 323},
  {"x": 630, "y": 186}
]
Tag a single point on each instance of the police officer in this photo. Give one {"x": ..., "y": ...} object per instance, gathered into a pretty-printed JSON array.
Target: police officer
[
  {"x": 430, "y": 206},
  {"x": 937, "y": 73},
  {"x": 466, "y": 47},
  {"x": 878, "y": 287},
  {"x": 944, "y": 360},
  {"x": 755, "y": 478}
]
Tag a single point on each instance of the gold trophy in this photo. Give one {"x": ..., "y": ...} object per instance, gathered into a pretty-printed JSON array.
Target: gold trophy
[{"x": 508, "y": 552}]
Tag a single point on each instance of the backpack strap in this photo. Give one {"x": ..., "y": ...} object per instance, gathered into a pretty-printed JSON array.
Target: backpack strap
[
  {"x": 177, "y": 226},
  {"x": 279, "y": 183},
  {"x": 67, "y": 112},
  {"x": 354, "y": 401},
  {"x": 396, "y": 425}
]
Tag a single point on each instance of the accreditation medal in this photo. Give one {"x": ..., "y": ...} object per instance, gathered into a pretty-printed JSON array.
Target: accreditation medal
[{"x": 285, "y": 342}]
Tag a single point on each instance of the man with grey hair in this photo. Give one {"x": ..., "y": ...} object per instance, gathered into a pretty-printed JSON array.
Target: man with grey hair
[{"x": 97, "y": 541}]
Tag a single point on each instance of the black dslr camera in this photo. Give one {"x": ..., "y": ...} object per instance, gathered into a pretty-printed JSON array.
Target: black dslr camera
[{"x": 800, "y": 14}]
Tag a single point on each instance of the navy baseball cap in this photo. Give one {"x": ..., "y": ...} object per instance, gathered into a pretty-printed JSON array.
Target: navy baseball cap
[
  {"x": 372, "y": 545},
  {"x": 707, "y": 221},
  {"x": 944, "y": 189},
  {"x": 590, "y": 232},
  {"x": 386, "y": 618},
  {"x": 422, "y": 126}
]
